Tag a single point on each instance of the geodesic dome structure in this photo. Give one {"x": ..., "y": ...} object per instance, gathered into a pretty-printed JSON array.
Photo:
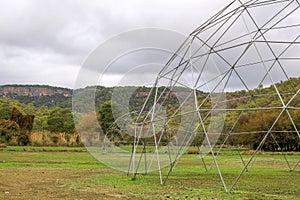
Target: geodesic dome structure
[{"x": 244, "y": 61}]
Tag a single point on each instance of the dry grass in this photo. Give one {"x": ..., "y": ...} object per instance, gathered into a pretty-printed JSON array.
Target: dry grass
[
  {"x": 199, "y": 152},
  {"x": 193, "y": 152},
  {"x": 250, "y": 152},
  {"x": 47, "y": 138},
  {"x": 2, "y": 145}
]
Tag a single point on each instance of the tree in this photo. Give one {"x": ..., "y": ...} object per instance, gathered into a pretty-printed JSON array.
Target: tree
[
  {"x": 60, "y": 120},
  {"x": 41, "y": 117},
  {"x": 106, "y": 117},
  {"x": 24, "y": 121},
  {"x": 9, "y": 130},
  {"x": 5, "y": 112}
]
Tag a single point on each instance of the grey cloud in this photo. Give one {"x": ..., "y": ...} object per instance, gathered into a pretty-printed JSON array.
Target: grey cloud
[
  {"x": 55, "y": 25},
  {"x": 41, "y": 40}
]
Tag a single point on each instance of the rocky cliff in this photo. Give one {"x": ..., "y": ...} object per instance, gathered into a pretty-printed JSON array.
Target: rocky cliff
[{"x": 11, "y": 91}]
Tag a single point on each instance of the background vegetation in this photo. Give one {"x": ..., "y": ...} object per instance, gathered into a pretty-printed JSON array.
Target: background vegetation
[{"x": 53, "y": 123}]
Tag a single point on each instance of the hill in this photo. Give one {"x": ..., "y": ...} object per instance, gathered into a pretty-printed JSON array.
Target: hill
[
  {"x": 38, "y": 95},
  {"x": 51, "y": 107}
]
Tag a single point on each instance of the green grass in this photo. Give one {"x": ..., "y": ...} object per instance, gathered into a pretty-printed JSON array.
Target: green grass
[
  {"x": 269, "y": 178},
  {"x": 37, "y": 148}
]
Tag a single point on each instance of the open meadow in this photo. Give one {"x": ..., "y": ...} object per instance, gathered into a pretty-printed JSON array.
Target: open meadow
[{"x": 72, "y": 173}]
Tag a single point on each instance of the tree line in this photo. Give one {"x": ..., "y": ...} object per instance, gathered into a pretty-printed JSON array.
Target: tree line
[{"x": 58, "y": 118}]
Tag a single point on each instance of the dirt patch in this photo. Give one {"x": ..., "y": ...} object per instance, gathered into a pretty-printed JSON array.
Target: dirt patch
[
  {"x": 47, "y": 150},
  {"x": 37, "y": 183},
  {"x": 53, "y": 150}
]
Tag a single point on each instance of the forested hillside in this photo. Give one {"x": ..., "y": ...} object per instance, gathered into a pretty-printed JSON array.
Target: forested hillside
[
  {"x": 53, "y": 120},
  {"x": 38, "y": 95}
]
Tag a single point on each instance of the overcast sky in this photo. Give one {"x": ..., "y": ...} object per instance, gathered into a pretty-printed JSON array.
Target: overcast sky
[{"x": 46, "y": 42}]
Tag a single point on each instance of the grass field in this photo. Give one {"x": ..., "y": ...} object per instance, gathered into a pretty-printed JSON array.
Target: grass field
[{"x": 72, "y": 173}]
